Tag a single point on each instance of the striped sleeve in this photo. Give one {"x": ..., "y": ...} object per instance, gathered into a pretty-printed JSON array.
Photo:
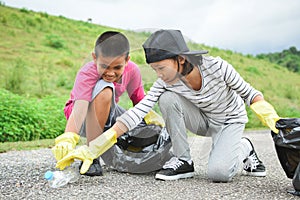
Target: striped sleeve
[
  {"x": 134, "y": 116},
  {"x": 238, "y": 84}
]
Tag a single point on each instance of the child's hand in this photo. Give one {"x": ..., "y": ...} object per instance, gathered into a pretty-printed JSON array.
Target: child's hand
[
  {"x": 154, "y": 118},
  {"x": 88, "y": 153},
  {"x": 64, "y": 144},
  {"x": 266, "y": 114},
  {"x": 82, "y": 153}
]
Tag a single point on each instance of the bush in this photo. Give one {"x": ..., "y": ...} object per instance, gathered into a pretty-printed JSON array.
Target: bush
[
  {"x": 138, "y": 57},
  {"x": 30, "y": 22},
  {"x": 253, "y": 70},
  {"x": 51, "y": 112},
  {"x": 54, "y": 41},
  {"x": 3, "y": 20},
  {"x": 24, "y": 119},
  {"x": 24, "y": 10},
  {"x": 15, "y": 77},
  {"x": 289, "y": 58}
]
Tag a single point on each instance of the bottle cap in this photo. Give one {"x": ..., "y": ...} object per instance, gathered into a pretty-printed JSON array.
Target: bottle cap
[{"x": 49, "y": 175}]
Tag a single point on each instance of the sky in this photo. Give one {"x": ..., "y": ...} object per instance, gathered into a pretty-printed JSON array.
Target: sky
[{"x": 244, "y": 26}]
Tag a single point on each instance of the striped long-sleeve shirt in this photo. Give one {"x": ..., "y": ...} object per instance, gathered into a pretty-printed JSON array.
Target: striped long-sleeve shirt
[{"x": 221, "y": 98}]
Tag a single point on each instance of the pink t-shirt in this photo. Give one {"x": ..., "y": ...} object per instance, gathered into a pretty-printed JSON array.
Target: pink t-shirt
[{"x": 88, "y": 76}]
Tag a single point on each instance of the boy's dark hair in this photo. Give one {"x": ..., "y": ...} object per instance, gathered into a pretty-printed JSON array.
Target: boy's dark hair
[{"x": 112, "y": 44}]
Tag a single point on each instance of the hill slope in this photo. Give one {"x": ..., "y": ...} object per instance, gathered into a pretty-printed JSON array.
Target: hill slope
[
  {"x": 40, "y": 55},
  {"x": 289, "y": 58}
]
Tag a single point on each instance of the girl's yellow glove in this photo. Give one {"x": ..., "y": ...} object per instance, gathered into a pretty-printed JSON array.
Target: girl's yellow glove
[
  {"x": 266, "y": 114},
  {"x": 154, "y": 118}
]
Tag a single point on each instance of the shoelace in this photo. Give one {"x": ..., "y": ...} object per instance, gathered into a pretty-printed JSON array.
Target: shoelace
[
  {"x": 173, "y": 163},
  {"x": 252, "y": 162}
]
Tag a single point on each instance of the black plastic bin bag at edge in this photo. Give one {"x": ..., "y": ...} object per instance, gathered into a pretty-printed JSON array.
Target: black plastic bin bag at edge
[
  {"x": 287, "y": 145},
  {"x": 142, "y": 150}
]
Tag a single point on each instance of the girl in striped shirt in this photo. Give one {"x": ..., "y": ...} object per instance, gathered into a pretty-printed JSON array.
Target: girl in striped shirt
[{"x": 205, "y": 95}]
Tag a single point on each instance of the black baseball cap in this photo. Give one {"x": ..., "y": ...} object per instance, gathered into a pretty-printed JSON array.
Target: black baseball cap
[{"x": 164, "y": 44}]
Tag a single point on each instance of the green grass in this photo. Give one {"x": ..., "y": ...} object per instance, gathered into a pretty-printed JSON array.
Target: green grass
[
  {"x": 40, "y": 55},
  {"x": 30, "y": 145},
  {"x": 27, "y": 145}
]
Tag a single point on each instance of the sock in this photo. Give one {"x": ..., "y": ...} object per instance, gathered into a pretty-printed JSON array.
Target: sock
[{"x": 189, "y": 161}]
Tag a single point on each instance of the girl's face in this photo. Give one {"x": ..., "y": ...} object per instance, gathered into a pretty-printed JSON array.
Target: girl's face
[
  {"x": 168, "y": 70},
  {"x": 111, "y": 68}
]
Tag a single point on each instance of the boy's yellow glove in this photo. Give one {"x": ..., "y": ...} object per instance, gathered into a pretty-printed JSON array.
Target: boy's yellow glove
[
  {"x": 88, "y": 153},
  {"x": 154, "y": 118},
  {"x": 64, "y": 143},
  {"x": 266, "y": 113}
]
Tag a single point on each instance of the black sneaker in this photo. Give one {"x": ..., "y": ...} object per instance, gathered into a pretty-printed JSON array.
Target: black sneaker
[
  {"x": 252, "y": 165},
  {"x": 176, "y": 169},
  {"x": 94, "y": 170}
]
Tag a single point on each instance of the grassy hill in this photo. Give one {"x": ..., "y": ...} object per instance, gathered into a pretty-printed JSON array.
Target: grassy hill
[
  {"x": 40, "y": 55},
  {"x": 289, "y": 58},
  {"x": 44, "y": 52}
]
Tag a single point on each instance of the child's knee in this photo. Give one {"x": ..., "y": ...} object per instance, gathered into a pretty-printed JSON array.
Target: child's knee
[
  {"x": 167, "y": 100},
  {"x": 219, "y": 174},
  {"x": 105, "y": 95}
]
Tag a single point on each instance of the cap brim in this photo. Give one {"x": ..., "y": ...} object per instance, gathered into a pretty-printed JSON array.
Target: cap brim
[{"x": 195, "y": 52}]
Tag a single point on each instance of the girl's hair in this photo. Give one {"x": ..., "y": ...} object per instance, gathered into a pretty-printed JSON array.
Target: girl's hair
[
  {"x": 189, "y": 63},
  {"x": 112, "y": 44}
]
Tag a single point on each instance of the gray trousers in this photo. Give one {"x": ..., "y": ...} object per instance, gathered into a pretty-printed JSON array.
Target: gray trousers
[{"x": 227, "y": 151}]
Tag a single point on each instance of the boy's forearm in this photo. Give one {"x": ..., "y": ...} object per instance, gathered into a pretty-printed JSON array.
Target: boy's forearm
[
  {"x": 77, "y": 116},
  {"x": 120, "y": 128},
  {"x": 71, "y": 125}
]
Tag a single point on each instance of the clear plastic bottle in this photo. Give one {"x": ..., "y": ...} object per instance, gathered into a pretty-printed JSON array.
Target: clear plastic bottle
[
  {"x": 60, "y": 178},
  {"x": 73, "y": 174}
]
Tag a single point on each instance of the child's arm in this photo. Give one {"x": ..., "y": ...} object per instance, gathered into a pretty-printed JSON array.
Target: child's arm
[
  {"x": 254, "y": 98},
  {"x": 77, "y": 116},
  {"x": 265, "y": 112},
  {"x": 84, "y": 83},
  {"x": 234, "y": 80},
  {"x": 134, "y": 86},
  {"x": 69, "y": 139},
  {"x": 135, "y": 115}
]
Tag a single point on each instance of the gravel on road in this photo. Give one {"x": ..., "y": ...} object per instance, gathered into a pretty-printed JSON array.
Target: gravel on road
[{"x": 22, "y": 177}]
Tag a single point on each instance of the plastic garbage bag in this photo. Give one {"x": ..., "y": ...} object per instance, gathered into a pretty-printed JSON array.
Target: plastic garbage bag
[
  {"x": 143, "y": 149},
  {"x": 287, "y": 145},
  {"x": 296, "y": 182}
]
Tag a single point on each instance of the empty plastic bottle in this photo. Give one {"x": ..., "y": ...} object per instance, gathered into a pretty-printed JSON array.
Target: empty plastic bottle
[{"x": 60, "y": 178}]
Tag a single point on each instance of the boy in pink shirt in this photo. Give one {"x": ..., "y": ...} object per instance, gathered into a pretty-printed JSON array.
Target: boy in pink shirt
[
  {"x": 92, "y": 107},
  {"x": 88, "y": 76}
]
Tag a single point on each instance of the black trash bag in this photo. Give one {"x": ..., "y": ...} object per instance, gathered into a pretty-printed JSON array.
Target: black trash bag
[
  {"x": 287, "y": 145},
  {"x": 296, "y": 182},
  {"x": 144, "y": 149},
  {"x": 143, "y": 135}
]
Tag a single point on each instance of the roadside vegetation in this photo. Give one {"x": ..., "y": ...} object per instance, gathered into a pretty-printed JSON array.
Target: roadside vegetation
[{"x": 40, "y": 55}]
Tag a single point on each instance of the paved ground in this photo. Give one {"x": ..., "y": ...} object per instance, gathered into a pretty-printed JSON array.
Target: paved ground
[{"x": 21, "y": 177}]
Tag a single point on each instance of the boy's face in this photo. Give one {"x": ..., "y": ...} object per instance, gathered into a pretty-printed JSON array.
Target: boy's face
[{"x": 111, "y": 68}]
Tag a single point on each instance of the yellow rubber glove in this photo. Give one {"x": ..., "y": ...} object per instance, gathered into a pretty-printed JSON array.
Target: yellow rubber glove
[
  {"x": 266, "y": 114},
  {"x": 82, "y": 153},
  {"x": 154, "y": 118},
  {"x": 64, "y": 144},
  {"x": 88, "y": 153}
]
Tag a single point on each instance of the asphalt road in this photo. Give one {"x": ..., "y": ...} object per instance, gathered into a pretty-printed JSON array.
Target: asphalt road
[{"x": 21, "y": 177}]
